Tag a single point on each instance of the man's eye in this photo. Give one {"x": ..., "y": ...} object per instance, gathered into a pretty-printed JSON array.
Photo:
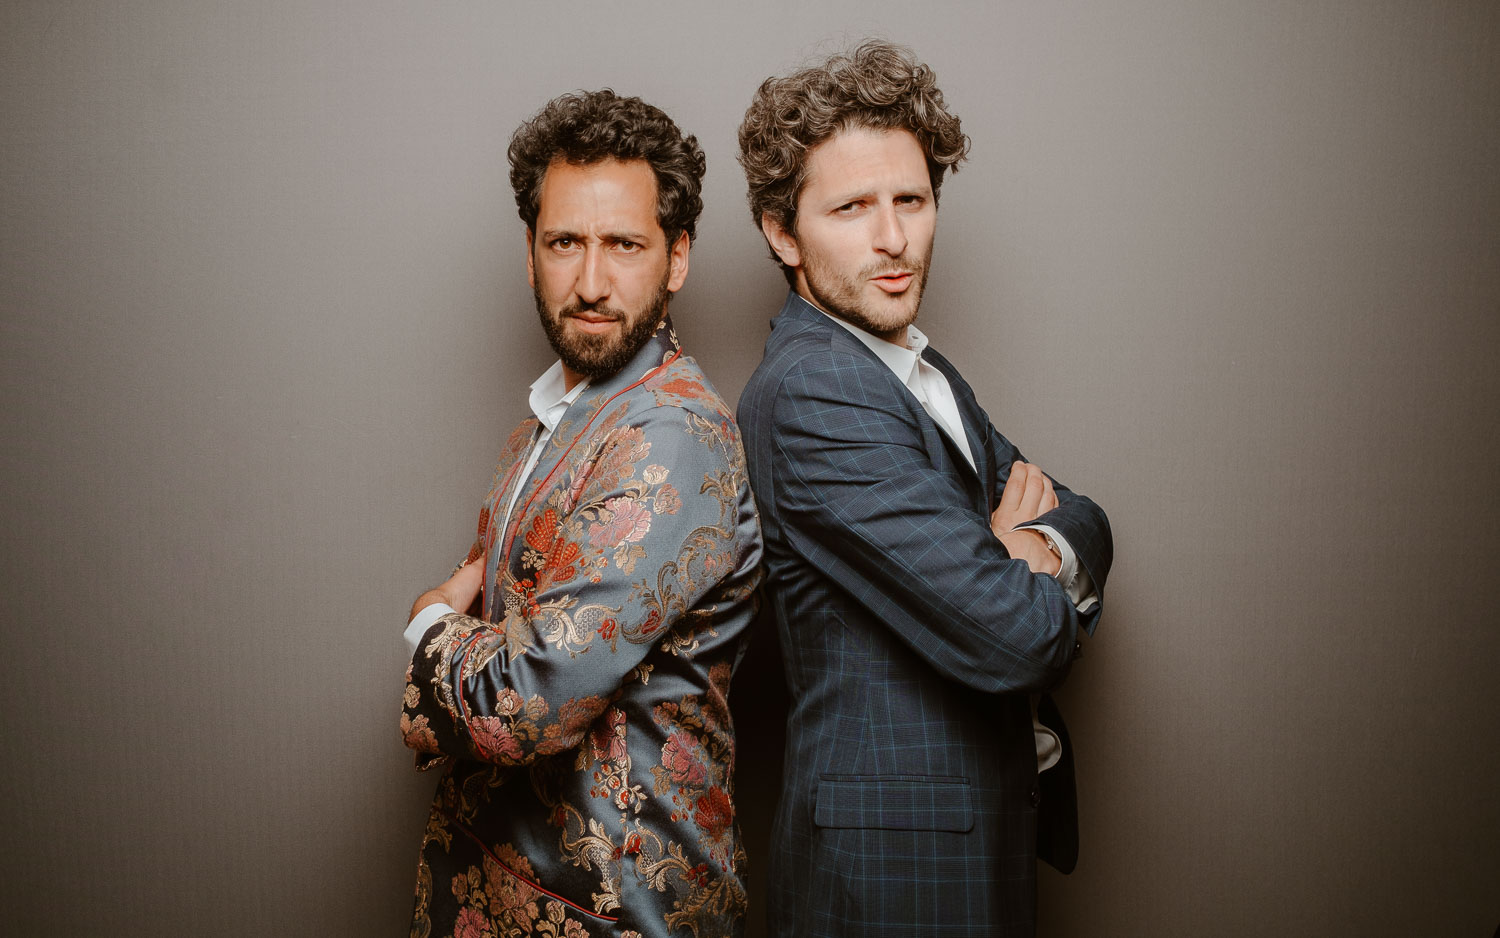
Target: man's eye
[
  {"x": 909, "y": 200},
  {"x": 847, "y": 207},
  {"x": 628, "y": 246},
  {"x": 562, "y": 244}
]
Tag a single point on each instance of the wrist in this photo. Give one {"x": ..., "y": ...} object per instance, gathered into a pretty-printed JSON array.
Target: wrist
[
  {"x": 1030, "y": 545},
  {"x": 1053, "y": 549},
  {"x": 429, "y": 598}
]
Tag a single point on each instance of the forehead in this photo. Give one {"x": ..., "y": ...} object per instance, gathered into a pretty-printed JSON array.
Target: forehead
[
  {"x": 862, "y": 159},
  {"x": 609, "y": 193}
]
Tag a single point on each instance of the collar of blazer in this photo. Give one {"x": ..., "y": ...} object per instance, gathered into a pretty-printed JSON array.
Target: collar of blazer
[{"x": 796, "y": 309}]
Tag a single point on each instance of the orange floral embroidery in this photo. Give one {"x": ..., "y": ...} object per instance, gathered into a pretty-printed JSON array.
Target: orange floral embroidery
[
  {"x": 561, "y": 563},
  {"x": 681, "y": 387},
  {"x": 543, "y": 531}
]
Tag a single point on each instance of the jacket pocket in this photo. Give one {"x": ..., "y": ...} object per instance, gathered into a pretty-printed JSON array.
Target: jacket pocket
[{"x": 894, "y": 802}]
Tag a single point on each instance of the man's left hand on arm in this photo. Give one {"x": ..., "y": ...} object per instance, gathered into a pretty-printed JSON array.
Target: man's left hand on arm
[
  {"x": 459, "y": 592},
  {"x": 1028, "y": 495}
]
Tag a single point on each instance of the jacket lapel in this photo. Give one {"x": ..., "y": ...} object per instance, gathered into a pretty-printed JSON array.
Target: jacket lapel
[
  {"x": 572, "y": 446},
  {"x": 492, "y": 514},
  {"x": 937, "y": 440},
  {"x": 976, "y": 423}
]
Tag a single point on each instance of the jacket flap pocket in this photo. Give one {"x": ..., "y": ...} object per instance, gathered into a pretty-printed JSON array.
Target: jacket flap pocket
[{"x": 899, "y": 803}]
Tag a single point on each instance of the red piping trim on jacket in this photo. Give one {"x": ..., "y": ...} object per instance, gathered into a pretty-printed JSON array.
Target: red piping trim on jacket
[
  {"x": 516, "y": 523},
  {"x": 502, "y": 864}
]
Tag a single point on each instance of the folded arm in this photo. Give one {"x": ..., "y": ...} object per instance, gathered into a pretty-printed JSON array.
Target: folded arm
[
  {"x": 613, "y": 565},
  {"x": 1075, "y": 522},
  {"x": 859, "y": 497}
]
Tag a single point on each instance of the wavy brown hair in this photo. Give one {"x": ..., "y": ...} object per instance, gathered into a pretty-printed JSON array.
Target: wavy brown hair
[
  {"x": 879, "y": 85},
  {"x": 592, "y": 126}
]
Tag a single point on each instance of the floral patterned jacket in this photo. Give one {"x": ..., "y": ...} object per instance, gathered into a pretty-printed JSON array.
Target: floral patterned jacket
[{"x": 583, "y": 719}]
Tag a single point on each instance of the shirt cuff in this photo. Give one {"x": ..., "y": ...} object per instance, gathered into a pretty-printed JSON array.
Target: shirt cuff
[
  {"x": 1048, "y": 744},
  {"x": 1071, "y": 576},
  {"x": 423, "y": 621}
]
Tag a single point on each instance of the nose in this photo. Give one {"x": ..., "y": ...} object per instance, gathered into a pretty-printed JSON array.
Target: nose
[
  {"x": 890, "y": 234},
  {"x": 592, "y": 284}
]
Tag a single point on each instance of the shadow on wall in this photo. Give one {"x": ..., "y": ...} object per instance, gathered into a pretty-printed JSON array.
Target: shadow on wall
[{"x": 758, "y": 702}]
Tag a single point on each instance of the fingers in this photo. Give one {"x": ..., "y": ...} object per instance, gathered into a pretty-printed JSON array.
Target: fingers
[
  {"x": 476, "y": 605},
  {"x": 1031, "y": 498},
  {"x": 1007, "y": 514},
  {"x": 473, "y": 573},
  {"x": 1049, "y": 496},
  {"x": 1010, "y": 497},
  {"x": 1028, "y": 494},
  {"x": 463, "y": 587}
]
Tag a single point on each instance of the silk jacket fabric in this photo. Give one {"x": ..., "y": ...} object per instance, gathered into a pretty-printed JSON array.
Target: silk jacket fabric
[
  {"x": 582, "y": 718},
  {"x": 911, "y": 644}
]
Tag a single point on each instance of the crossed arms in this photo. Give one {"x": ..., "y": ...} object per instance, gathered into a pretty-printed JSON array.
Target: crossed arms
[
  {"x": 857, "y": 495},
  {"x": 647, "y": 542}
]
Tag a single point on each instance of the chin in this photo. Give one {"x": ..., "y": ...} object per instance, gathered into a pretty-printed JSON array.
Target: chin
[{"x": 894, "y": 316}]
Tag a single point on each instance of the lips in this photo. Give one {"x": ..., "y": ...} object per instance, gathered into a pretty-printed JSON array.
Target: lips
[
  {"x": 893, "y": 282},
  {"x": 593, "y": 322}
]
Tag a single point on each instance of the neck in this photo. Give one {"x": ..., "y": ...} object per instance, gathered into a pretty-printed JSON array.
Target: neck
[{"x": 896, "y": 336}]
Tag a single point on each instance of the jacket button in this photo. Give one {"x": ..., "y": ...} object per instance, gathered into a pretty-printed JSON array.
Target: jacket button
[
  {"x": 1036, "y": 797},
  {"x": 1077, "y": 650}
]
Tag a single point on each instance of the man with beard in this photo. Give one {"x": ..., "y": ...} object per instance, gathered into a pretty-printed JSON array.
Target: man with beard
[
  {"x": 929, "y": 585},
  {"x": 571, "y": 677}
]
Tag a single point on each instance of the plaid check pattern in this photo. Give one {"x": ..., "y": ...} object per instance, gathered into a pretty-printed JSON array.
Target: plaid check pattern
[{"x": 911, "y": 642}]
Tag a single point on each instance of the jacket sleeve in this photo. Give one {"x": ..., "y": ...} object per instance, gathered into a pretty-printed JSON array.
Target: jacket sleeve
[
  {"x": 858, "y": 496},
  {"x": 1076, "y": 518},
  {"x": 618, "y": 561}
]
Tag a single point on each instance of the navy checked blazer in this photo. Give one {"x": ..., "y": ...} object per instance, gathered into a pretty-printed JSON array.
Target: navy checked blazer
[{"x": 911, "y": 643}]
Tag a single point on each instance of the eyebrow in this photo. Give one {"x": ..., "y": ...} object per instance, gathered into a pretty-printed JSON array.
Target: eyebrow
[
  {"x": 552, "y": 234},
  {"x": 865, "y": 195},
  {"x": 846, "y": 198}
]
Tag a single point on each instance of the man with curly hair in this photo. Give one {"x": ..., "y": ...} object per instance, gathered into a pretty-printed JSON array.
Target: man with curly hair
[
  {"x": 571, "y": 677},
  {"x": 929, "y": 584}
]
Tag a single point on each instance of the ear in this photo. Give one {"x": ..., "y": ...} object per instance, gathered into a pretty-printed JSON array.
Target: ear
[
  {"x": 781, "y": 240},
  {"x": 530, "y": 261},
  {"x": 677, "y": 263}
]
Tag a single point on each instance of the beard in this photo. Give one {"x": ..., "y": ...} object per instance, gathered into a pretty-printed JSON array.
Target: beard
[
  {"x": 600, "y": 356},
  {"x": 845, "y": 296}
]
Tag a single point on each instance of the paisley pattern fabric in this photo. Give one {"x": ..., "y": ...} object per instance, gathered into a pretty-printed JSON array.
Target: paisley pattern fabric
[{"x": 582, "y": 719}]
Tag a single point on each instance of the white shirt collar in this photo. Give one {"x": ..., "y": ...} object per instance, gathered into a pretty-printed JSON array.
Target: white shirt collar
[
  {"x": 902, "y": 360},
  {"x": 922, "y": 379},
  {"x": 550, "y": 397}
]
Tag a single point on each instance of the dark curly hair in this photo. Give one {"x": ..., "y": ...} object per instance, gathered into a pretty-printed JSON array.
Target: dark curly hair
[
  {"x": 879, "y": 85},
  {"x": 591, "y": 126}
]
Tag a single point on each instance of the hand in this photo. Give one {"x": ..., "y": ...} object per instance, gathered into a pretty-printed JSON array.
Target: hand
[
  {"x": 461, "y": 591},
  {"x": 1028, "y": 495}
]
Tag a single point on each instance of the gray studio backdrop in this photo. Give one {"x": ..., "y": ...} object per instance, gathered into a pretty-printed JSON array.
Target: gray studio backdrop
[{"x": 1230, "y": 268}]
